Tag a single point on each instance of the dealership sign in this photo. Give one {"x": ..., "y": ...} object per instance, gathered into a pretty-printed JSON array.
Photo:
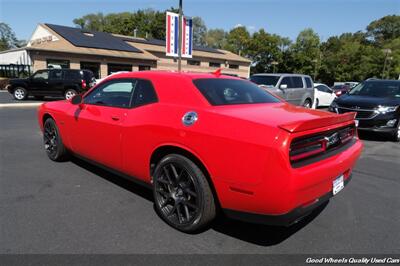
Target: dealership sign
[{"x": 172, "y": 35}]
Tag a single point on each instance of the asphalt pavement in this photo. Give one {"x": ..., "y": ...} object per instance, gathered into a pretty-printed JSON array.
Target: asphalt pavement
[{"x": 74, "y": 207}]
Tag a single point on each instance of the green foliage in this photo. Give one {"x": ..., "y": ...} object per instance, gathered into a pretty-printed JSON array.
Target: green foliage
[
  {"x": 199, "y": 32},
  {"x": 216, "y": 38},
  {"x": 238, "y": 41},
  {"x": 7, "y": 38}
]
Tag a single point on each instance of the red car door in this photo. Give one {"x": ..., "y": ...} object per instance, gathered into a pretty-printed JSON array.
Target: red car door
[{"x": 96, "y": 124}]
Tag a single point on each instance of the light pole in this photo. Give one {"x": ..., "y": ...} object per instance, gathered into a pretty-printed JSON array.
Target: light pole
[{"x": 180, "y": 37}]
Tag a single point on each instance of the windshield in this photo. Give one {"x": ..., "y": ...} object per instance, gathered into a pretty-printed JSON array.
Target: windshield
[
  {"x": 377, "y": 89},
  {"x": 265, "y": 80},
  {"x": 232, "y": 91}
]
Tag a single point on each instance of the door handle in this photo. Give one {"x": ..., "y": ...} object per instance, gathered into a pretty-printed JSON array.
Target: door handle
[{"x": 115, "y": 118}]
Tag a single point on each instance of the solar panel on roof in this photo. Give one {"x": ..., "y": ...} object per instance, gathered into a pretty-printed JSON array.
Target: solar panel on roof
[
  {"x": 100, "y": 40},
  {"x": 162, "y": 43}
]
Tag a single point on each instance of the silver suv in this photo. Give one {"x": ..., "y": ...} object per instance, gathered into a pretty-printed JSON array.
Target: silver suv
[{"x": 295, "y": 88}]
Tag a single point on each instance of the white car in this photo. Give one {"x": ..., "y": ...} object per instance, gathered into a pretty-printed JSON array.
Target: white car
[{"x": 323, "y": 95}]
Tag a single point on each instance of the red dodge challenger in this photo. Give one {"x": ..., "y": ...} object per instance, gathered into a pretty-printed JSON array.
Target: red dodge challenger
[{"x": 207, "y": 142}]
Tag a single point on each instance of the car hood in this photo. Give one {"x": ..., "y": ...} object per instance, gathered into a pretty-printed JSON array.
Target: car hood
[
  {"x": 283, "y": 115},
  {"x": 366, "y": 102}
]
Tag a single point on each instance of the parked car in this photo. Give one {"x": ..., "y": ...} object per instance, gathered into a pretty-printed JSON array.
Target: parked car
[
  {"x": 377, "y": 105},
  {"x": 294, "y": 88},
  {"x": 323, "y": 95},
  {"x": 204, "y": 142},
  {"x": 52, "y": 82},
  {"x": 341, "y": 89}
]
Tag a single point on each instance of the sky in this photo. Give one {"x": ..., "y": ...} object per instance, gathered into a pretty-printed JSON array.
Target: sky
[{"x": 284, "y": 17}]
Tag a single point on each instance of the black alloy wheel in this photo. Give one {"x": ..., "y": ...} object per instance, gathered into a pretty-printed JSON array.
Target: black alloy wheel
[
  {"x": 182, "y": 194},
  {"x": 53, "y": 145}
]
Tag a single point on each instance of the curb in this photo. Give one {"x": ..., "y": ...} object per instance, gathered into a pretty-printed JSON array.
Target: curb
[{"x": 21, "y": 105}]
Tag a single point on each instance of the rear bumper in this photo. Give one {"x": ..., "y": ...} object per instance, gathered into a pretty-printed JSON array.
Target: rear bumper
[{"x": 287, "y": 219}]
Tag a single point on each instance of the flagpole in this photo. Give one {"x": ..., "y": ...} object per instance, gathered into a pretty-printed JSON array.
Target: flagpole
[{"x": 180, "y": 37}]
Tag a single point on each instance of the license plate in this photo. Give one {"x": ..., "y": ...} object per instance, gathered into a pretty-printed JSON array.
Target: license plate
[
  {"x": 356, "y": 122},
  {"x": 338, "y": 185}
]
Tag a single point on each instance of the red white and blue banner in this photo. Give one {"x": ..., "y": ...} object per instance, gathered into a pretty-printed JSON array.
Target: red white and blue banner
[
  {"x": 187, "y": 37},
  {"x": 172, "y": 36}
]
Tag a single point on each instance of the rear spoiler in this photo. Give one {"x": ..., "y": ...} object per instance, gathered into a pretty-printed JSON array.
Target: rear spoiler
[{"x": 304, "y": 125}]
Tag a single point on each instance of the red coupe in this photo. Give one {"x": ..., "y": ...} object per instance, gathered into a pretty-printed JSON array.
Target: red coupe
[{"x": 207, "y": 142}]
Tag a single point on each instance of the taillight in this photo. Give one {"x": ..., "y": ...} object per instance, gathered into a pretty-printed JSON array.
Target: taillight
[
  {"x": 83, "y": 83},
  {"x": 307, "y": 148},
  {"x": 310, "y": 146}
]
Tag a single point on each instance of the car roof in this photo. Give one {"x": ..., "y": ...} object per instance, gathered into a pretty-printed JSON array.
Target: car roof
[
  {"x": 280, "y": 74},
  {"x": 175, "y": 74},
  {"x": 174, "y": 87}
]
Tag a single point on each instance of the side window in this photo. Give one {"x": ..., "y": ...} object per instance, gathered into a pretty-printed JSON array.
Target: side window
[
  {"x": 116, "y": 93},
  {"x": 327, "y": 89},
  {"x": 308, "y": 82},
  {"x": 287, "y": 81},
  {"x": 144, "y": 93},
  {"x": 297, "y": 82},
  {"x": 72, "y": 75},
  {"x": 55, "y": 74},
  {"x": 321, "y": 88},
  {"x": 42, "y": 74}
]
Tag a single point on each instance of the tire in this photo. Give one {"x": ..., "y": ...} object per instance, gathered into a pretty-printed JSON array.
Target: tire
[
  {"x": 52, "y": 141},
  {"x": 182, "y": 194},
  {"x": 396, "y": 133},
  {"x": 20, "y": 93},
  {"x": 69, "y": 94},
  {"x": 316, "y": 103},
  {"x": 307, "y": 103}
]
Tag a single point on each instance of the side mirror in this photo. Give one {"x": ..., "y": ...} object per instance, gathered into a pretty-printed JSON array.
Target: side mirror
[
  {"x": 283, "y": 86},
  {"x": 77, "y": 99}
]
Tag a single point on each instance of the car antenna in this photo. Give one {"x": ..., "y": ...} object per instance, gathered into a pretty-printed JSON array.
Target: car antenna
[{"x": 217, "y": 72}]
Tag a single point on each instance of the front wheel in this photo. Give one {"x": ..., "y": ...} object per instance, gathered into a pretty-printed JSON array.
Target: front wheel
[
  {"x": 52, "y": 141},
  {"x": 20, "y": 94},
  {"x": 182, "y": 194},
  {"x": 396, "y": 133}
]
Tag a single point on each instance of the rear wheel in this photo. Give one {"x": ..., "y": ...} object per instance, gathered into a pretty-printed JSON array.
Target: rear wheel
[
  {"x": 182, "y": 195},
  {"x": 69, "y": 94},
  {"x": 20, "y": 93},
  {"x": 316, "y": 103},
  {"x": 52, "y": 141},
  {"x": 307, "y": 103}
]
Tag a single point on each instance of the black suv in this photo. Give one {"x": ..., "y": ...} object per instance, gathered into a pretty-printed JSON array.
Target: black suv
[
  {"x": 52, "y": 82},
  {"x": 376, "y": 103}
]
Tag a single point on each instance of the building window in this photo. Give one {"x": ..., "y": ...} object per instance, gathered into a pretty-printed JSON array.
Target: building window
[
  {"x": 193, "y": 62},
  {"x": 57, "y": 63},
  {"x": 233, "y": 66},
  {"x": 214, "y": 64},
  {"x": 113, "y": 68},
  {"x": 92, "y": 66},
  {"x": 144, "y": 68}
]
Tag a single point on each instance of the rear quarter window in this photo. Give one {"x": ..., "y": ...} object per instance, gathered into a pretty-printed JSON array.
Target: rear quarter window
[
  {"x": 219, "y": 91},
  {"x": 308, "y": 82}
]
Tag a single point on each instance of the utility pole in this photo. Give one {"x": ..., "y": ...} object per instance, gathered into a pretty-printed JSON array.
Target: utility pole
[{"x": 180, "y": 37}]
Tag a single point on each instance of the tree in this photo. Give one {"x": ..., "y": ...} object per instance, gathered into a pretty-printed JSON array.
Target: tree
[
  {"x": 7, "y": 38},
  {"x": 216, "y": 38},
  {"x": 386, "y": 28},
  {"x": 199, "y": 31},
  {"x": 264, "y": 51},
  {"x": 238, "y": 40},
  {"x": 306, "y": 53}
]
